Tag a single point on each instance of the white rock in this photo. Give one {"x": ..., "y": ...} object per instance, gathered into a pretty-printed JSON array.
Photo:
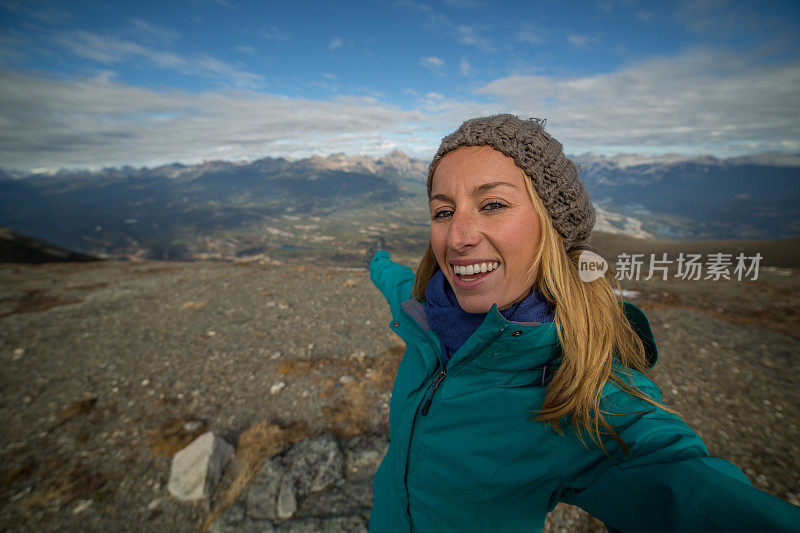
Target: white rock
[
  {"x": 275, "y": 389},
  {"x": 81, "y": 506},
  {"x": 197, "y": 468},
  {"x": 346, "y": 379},
  {"x": 192, "y": 425},
  {"x": 18, "y": 353},
  {"x": 287, "y": 499}
]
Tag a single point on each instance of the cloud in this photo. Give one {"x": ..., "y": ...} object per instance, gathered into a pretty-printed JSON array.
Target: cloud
[
  {"x": 432, "y": 62},
  {"x": 95, "y": 122},
  {"x": 469, "y": 35},
  {"x": 581, "y": 41},
  {"x": 465, "y": 67},
  {"x": 109, "y": 50},
  {"x": 704, "y": 15},
  {"x": 530, "y": 33},
  {"x": 335, "y": 43},
  {"x": 42, "y": 12},
  {"x": 416, "y": 6},
  {"x": 463, "y": 4},
  {"x": 274, "y": 33},
  {"x": 439, "y": 24},
  {"x": 702, "y": 101},
  {"x": 145, "y": 29}
]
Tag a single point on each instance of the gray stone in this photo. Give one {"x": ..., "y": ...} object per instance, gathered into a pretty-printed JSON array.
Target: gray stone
[
  {"x": 305, "y": 489},
  {"x": 337, "y": 501},
  {"x": 360, "y": 492},
  {"x": 315, "y": 464},
  {"x": 256, "y": 526},
  {"x": 363, "y": 454},
  {"x": 263, "y": 492},
  {"x": 197, "y": 468},
  {"x": 336, "y": 524},
  {"x": 287, "y": 499},
  {"x": 230, "y": 521},
  {"x": 233, "y": 520}
]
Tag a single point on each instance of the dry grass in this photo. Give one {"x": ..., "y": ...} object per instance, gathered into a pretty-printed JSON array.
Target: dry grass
[
  {"x": 78, "y": 483},
  {"x": 384, "y": 368},
  {"x": 145, "y": 269},
  {"x": 83, "y": 405},
  {"x": 36, "y": 300},
  {"x": 86, "y": 287},
  {"x": 17, "y": 465},
  {"x": 259, "y": 442},
  {"x": 173, "y": 435},
  {"x": 350, "y": 414},
  {"x": 787, "y": 321}
]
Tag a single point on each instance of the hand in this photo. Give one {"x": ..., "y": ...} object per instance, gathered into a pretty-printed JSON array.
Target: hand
[{"x": 372, "y": 251}]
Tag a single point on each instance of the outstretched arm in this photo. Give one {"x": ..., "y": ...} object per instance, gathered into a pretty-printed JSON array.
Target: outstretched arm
[
  {"x": 393, "y": 280},
  {"x": 668, "y": 482}
]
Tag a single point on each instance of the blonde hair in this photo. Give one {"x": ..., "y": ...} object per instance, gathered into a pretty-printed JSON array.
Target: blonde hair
[{"x": 592, "y": 331}]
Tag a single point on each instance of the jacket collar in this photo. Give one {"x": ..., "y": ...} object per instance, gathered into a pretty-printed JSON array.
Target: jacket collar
[
  {"x": 497, "y": 325},
  {"x": 498, "y": 343}
]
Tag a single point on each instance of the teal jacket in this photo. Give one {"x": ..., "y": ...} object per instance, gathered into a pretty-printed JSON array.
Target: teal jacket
[{"x": 464, "y": 455}]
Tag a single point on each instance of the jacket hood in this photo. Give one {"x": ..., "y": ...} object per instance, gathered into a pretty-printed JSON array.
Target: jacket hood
[{"x": 641, "y": 326}]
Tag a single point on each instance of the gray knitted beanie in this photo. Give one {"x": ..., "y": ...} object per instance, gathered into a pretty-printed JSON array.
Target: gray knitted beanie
[{"x": 554, "y": 177}]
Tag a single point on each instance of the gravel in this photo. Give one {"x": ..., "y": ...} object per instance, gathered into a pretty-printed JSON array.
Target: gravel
[{"x": 98, "y": 358}]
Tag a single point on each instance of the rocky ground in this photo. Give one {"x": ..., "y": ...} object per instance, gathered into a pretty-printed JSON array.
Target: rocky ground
[{"x": 109, "y": 368}]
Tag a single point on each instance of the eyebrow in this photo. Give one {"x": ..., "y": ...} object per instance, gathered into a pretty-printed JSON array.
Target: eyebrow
[{"x": 477, "y": 190}]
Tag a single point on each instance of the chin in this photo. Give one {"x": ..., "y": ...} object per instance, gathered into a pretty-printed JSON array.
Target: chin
[{"x": 474, "y": 305}]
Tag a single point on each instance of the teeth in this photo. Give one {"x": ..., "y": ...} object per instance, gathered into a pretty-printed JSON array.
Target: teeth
[{"x": 477, "y": 268}]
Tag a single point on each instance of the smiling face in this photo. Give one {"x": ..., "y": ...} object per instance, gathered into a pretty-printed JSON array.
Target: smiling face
[{"x": 482, "y": 214}]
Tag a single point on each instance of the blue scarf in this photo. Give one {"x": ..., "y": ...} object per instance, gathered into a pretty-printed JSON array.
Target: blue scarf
[{"x": 454, "y": 325}]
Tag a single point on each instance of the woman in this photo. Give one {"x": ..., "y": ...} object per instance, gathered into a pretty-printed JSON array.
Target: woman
[{"x": 522, "y": 385}]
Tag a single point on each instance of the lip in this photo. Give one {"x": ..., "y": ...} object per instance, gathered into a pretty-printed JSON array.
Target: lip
[{"x": 467, "y": 285}]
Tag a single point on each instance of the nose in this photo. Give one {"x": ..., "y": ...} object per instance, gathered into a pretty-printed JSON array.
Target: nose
[{"x": 463, "y": 232}]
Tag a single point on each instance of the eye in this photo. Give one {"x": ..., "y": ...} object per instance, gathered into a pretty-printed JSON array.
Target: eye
[
  {"x": 494, "y": 206},
  {"x": 441, "y": 214}
]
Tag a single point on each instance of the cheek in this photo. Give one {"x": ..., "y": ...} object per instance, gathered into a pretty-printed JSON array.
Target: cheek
[{"x": 518, "y": 245}]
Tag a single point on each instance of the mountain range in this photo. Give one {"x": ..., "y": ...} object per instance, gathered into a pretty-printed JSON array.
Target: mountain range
[{"x": 336, "y": 205}]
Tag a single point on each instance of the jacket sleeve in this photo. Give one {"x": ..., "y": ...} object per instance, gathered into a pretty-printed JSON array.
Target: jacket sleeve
[
  {"x": 393, "y": 280},
  {"x": 668, "y": 482}
]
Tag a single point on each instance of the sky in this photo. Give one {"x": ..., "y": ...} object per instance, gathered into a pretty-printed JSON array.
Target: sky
[{"x": 87, "y": 84}]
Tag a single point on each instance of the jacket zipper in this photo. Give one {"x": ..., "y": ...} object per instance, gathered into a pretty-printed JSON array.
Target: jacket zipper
[
  {"x": 439, "y": 379},
  {"x": 443, "y": 374}
]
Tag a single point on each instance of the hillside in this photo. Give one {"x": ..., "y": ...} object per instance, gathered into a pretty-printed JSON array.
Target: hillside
[
  {"x": 105, "y": 362},
  {"x": 328, "y": 208}
]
